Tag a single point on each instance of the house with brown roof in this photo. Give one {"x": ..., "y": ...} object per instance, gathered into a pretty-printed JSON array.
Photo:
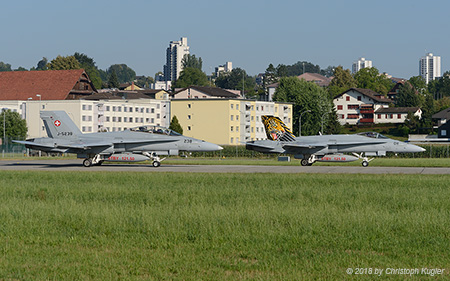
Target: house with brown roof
[
  {"x": 358, "y": 106},
  {"x": 317, "y": 78},
  {"x": 49, "y": 84},
  {"x": 197, "y": 92}
]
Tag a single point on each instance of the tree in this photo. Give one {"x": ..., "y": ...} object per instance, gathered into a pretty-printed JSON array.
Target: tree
[
  {"x": 113, "y": 82},
  {"x": 91, "y": 69},
  {"x": 5, "y": 66},
  {"x": 418, "y": 83},
  {"x": 341, "y": 82},
  {"x": 144, "y": 81},
  {"x": 63, "y": 63},
  {"x": 20, "y": 68},
  {"x": 270, "y": 76},
  {"x": 328, "y": 72},
  {"x": 237, "y": 79},
  {"x": 191, "y": 61},
  {"x": 123, "y": 72},
  {"x": 42, "y": 64},
  {"x": 440, "y": 87},
  {"x": 408, "y": 97},
  {"x": 305, "y": 96},
  {"x": 15, "y": 126},
  {"x": 191, "y": 77},
  {"x": 175, "y": 125},
  {"x": 370, "y": 78}
]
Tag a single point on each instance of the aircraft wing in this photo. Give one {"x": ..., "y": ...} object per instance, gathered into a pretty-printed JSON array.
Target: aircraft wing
[
  {"x": 293, "y": 146},
  {"x": 304, "y": 148}
]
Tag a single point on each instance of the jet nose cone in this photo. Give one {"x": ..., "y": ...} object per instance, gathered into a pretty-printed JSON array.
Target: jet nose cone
[
  {"x": 414, "y": 148},
  {"x": 207, "y": 146}
]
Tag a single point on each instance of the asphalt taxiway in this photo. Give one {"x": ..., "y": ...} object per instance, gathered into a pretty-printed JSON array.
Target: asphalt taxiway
[{"x": 75, "y": 165}]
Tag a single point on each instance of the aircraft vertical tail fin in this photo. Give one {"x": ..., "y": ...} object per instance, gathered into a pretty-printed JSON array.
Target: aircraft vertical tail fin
[
  {"x": 276, "y": 130},
  {"x": 59, "y": 125}
]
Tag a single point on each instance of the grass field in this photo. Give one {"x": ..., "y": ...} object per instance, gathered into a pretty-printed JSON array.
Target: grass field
[
  {"x": 180, "y": 226},
  {"x": 377, "y": 162}
]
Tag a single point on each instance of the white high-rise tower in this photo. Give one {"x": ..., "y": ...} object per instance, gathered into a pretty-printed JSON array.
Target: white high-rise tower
[
  {"x": 430, "y": 67},
  {"x": 175, "y": 53},
  {"x": 359, "y": 64}
]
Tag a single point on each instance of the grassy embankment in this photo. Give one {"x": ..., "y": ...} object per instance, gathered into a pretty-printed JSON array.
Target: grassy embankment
[{"x": 135, "y": 226}]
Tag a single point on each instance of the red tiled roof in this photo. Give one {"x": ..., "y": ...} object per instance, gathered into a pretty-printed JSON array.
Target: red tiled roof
[{"x": 50, "y": 84}]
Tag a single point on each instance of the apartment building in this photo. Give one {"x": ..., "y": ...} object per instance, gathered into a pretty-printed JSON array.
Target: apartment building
[
  {"x": 94, "y": 115},
  {"x": 174, "y": 54},
  {"x": 227, "y": 121},
  {"x": 430, "y": 67}
]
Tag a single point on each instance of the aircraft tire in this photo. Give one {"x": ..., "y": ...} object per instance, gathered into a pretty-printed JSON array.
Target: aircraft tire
[
  {"x": 156, "y": 164},
  {"x": 365, "y": 163},
  {"x": 304, "y": 162},
  {"x": 87, "y": 162}
]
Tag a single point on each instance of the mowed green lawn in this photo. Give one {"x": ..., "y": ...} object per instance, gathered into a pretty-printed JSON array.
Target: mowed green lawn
[{"x": 165, "y": 226}]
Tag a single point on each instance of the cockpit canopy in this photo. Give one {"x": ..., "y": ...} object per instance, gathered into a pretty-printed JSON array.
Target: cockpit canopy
[
  {"x": 155, "y": 130},
  {"x": 373, "y": 135}
]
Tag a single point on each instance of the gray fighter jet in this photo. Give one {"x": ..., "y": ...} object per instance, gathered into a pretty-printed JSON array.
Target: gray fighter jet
[
  {"x": 137, "y": 144},
  {"x": 326, "y": 148}
]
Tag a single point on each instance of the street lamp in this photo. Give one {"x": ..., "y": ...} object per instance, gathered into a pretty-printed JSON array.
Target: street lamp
[
  {"x": 4, "y": 130},
  {"x": 300, "y": 122},
  {"x": 322, "y": 120},
  {"x": 39, "y": 119}
]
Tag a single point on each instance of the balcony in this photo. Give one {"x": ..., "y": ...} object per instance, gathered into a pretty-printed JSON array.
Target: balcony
[
  {"x": 366, "y": 120},
  {"x": 366, "y": 110}
]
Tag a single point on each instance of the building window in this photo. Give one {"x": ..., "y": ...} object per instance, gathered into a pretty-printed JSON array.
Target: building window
[
  {"x": 237, "y": 117},
  {"x": 131, "y": 109},
  {"x": 352, "y": 106},
  {"x": 232, "y": 129},
  {"x": 359, "y": 98},
  {"x": 237, "y": 106},
  {"x": 189, "y": 128},
  {"x": 399, "y": 116},
  {"x": 232, "y": 106},
  {"x": 379, "y": 116},
  {"x": 232, "y": 117},
  {"x": 340, "y": 107},
  {"x": 231, "y": 140},
  {"x": 189, "y": 105},
  {"x": 443, "y": 132},
  {"x": 353, "y": 116},
  {"x": 189, "y": 117},
  {"x": 237, "y": 128},
  {"x": 153, "y": 110},
  {"x": 347, "y": 98}
]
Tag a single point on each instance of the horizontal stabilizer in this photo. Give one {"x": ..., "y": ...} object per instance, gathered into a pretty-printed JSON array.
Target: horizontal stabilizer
[{"x": 34, "y": 144}]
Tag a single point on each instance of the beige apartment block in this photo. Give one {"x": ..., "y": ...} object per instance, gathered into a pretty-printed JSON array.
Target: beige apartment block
[
  {"x": 92, "y": 116},
  {"x": 227, "y": 121}
]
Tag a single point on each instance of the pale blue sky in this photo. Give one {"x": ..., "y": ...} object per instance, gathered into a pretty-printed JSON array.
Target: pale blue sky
[{"x": 251, "y": 34}]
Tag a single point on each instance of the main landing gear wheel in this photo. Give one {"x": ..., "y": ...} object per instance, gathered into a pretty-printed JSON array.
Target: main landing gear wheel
[
  {"x": 365, "y": 163},
  {"x": 305, "y": 162},
  {"x": 156, "y": 164},
  {"x": 87, "y": 162}
]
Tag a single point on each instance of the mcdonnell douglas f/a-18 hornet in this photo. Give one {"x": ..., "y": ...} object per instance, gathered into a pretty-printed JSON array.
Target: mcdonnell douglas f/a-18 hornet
[
  {"x": 137, "y": 144},
  {"x": 326, "y": 148}
]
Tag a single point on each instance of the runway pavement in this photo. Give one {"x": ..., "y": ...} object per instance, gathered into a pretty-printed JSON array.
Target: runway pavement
[{"x": 75, "y": 165}]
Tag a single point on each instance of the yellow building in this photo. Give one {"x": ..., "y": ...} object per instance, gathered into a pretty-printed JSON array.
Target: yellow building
[{"x": 227, "y": 121}]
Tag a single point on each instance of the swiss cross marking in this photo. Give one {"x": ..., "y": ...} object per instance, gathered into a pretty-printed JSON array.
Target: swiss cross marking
[{"x": 57, "y": 123}]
